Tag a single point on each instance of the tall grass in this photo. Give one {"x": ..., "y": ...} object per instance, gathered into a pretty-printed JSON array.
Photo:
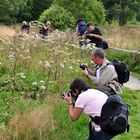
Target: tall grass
[
  {"x": 34, "y": 74},
  {"x": 126, "y": 37}
]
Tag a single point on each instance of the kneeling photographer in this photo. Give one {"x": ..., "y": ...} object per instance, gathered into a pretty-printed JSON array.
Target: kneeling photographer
[
  {"x": 89, "y": 101},
  {"x": 104, "y": 74}
]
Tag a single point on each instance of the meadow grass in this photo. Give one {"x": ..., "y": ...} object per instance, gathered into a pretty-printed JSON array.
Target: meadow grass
[
  {"x": 126, "y": 37},
  {"x": 33, "y": 76}
]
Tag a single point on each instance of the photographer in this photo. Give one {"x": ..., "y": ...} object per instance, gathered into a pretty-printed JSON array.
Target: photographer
[
  {"x": 89, "y": 101},
  {"x": 104, "y": 74},
  {"x": 25, "y": 27},
  {"x": 94, "y": 34}
]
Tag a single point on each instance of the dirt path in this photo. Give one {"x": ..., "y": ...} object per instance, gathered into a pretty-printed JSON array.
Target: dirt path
[{"x": 133, "y": 83}]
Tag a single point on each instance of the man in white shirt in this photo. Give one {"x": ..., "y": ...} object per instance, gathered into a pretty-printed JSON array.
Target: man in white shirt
[{"x": 89, "y": 101}]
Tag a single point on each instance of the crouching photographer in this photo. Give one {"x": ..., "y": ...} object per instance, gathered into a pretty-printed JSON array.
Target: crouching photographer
[{"x": 89, "y": 101}]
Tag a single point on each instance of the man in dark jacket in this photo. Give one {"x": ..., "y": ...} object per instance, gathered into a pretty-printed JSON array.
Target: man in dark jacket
[{"x": 94, "y": 35}]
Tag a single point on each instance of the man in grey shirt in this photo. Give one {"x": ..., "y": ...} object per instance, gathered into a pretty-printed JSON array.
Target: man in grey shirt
[{"x": 104, "y": 74}]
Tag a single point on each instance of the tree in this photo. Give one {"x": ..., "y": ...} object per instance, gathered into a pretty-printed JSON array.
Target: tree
[
  {"x": 122, "y": 13},
  {"x": 9, "y": 10},
  {"x": 59, "y": 17},
  {"x": 39, "y": 6},
  {"x": 122, "y": 10},
  {"x": 90, "y": 10},
  {"x": 25, "y": 11}
]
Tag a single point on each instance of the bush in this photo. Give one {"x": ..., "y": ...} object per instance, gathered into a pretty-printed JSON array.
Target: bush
[
  {"x": 59, "y": 17},
  {"x": 90, "y": 10}
]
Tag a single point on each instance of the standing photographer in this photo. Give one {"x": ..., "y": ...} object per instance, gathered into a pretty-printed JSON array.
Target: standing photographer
[
  {"x": 89, "y": 101},
  {"x": 104, "y": 74}
]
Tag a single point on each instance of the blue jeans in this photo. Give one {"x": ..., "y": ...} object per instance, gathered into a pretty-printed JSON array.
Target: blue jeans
[{"x": 100, "y": 135}]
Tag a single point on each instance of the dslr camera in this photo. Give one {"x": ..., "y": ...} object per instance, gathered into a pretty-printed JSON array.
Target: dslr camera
[
  {"x": 67, "y": 92},
  {"x": 83, "y": 66}
]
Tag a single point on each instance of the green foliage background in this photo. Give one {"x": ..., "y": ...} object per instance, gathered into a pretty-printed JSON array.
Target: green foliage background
[
  {"x": 59, "y": 17},
  {"x": 94, "y": 11},
  {"x": 91, "y": 10}
]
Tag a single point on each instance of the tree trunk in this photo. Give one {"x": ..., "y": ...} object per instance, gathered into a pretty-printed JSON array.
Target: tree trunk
[{"x": 122, "y": 13}]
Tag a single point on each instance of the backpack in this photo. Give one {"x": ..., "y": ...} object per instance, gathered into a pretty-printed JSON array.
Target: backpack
[
  {"x": 122, "y": 71},
  {"x": 82, "y": 27},
  {"x": 42, "y": 31},
  {"x": 114, "y": 116},
  {"x": 104, "y": 44}
]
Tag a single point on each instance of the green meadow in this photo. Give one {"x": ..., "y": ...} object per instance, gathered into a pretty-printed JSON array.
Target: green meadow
[{"x": 34, "y": 73}]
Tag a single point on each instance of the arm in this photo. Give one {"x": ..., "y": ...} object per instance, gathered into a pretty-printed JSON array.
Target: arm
[
  {"x": 106, "y": 75},
  {"x": 46, "y": 27},
  {"x": 90, "y": 75},
  {"x": 95, "y": 35},
  {"x": 74, "y": 112}
]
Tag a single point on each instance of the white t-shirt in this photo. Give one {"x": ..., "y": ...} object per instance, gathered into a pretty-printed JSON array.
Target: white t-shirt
[{"x": 91, "y": 101}]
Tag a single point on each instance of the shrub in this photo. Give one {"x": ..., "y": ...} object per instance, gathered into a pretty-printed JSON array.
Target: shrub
[
  {"x": 59, "y": 17},
  {"x": 90, "y": 10}
]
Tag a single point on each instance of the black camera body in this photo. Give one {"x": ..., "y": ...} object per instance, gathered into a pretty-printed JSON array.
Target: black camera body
[
  {"x": 83, "y": 66},
  {"x": 68, "y": 93}
]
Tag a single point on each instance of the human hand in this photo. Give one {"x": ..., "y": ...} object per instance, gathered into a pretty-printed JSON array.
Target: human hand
[
  {"x": 85, "y": 72},
  {"x": 67, "y": 96}
]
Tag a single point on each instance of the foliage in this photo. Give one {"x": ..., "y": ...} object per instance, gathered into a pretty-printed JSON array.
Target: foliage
[
  {"x": 24, "y": 12},
  {"x": 38, "y": 7},
  {"x": 91, "y": 10},
  {"x": 130, "y": 59},
  {"x": 9, "y": 10},
  {"x": 113, "y": 9},
  {"x": 59, "y": 17}
]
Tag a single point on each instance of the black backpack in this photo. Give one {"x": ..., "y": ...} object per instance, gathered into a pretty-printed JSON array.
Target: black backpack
[
  {"x": 42, "y": 31},
  {"x": 114, "y": 116},
  {"x": 122, "y": 71},
  {"x": 104, "y": 44}
]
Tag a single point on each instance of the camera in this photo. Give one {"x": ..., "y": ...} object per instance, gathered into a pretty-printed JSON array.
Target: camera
[
  {"x": 83, "y": 66},
  {"x": 68, "y": 93}
]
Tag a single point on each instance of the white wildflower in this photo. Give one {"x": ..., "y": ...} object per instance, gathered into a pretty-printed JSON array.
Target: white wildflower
[
  {"x": 27, "y": 50},
  {"x": 11, "y": 56},
  {"x": 61, "y": 65},
  {"x": 88, "y": 45},
  {"x": 73, "y": 45},
  {"x": 28, "y": 57},
  {"x": 40, "y": 62},
  {"x": 47, "y": 64},
  {"x": 42, "y": 87},
  {"x": 41, "y": 82},
  {"x": 22, "y": 75},
  {"x": 34, "y": 84},
  {"x": 71, "y": 67}
]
